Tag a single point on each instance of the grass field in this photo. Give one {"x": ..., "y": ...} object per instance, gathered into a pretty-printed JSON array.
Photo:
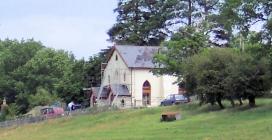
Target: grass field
[{"x": 204, "y": 123}]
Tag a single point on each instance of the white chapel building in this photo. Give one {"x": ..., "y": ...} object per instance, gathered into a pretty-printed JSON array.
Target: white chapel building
[{"x": 127, "y": 80}]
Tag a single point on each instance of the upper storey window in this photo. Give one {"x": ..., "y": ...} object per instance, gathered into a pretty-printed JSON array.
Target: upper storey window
[{"x": 116, "y": 57}]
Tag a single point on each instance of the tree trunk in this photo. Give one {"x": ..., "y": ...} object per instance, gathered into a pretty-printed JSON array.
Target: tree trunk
[
  {"x": 201, "y": 99},
  {"x": 240, "y": 101},
  {"x": 232, "y": 102},
  {"x": 190, "y": 12},
  {"x": 206, "y": 10},
  {"x": 200, "y": 103},
  {"x": 251, "y": 101},
  {"x": 212, "y": 103},
  {"x": 218, "y": 99}
]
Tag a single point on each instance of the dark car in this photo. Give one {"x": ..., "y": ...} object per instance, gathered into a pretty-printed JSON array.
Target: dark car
[{"x": 174, "y": 99}]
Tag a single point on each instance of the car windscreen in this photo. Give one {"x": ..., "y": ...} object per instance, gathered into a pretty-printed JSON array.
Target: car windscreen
[
  {"x": 47, "y": 111},
  {"x": 180, "y": 97},
  {"x": 168, "y": 97}
]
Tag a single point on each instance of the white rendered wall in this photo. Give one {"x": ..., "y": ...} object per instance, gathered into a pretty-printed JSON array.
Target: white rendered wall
[
  {"x": 115, "y": 71},
  {"x": 169, "y": 85},
  {"x": 161, "y": 86}
]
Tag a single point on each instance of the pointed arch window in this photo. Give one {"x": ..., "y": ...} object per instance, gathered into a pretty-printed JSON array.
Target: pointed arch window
[
  {"x": 146, "y": 97},
  {"x": 124, "y": 77}
]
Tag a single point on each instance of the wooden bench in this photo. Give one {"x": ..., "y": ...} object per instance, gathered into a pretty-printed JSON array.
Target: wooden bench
[{"x": 170, "y": 116}]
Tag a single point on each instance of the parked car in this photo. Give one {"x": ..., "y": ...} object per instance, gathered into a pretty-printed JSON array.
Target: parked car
[
  {"x": 174, "y": 99},
  {"x": 51, "y": 112}
]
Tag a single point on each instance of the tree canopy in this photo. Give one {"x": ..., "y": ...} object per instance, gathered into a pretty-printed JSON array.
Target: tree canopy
[
  {"x": 225, "y": 73},
  {"x": 143, "y": 22},
  {"x": 31, "y": 71}
]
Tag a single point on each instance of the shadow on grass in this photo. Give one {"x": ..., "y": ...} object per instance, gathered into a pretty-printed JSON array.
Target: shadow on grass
[
  {"x": 261, "y": 105},
  {"x": 194, "y": 107}
]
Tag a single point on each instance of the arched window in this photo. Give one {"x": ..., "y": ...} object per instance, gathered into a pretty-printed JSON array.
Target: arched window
[
  {"x": 146, "y": 97},
  {"x": 146, "y": 84},
  {"x": 109, "y": 79},
  {"x": 116, "y": 57}
]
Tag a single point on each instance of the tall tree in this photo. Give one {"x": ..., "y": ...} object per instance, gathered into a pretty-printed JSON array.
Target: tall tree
[
  {"x": 143, "y": 22},
  {"x": 149, "y": 22},
  {"x": 13, "y": 55},
  {"x": 242, "y": 16},
  {"x": 93, "y": 67},
  {"x": 183, "y": 44},
  {"x": 30, "y": 71}
]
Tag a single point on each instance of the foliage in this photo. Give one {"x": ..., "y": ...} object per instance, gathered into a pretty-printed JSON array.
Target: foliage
[
  {"x": 242, "y": 72},
  {"x": 30, "y": 71},
  {"x": 227, "y": 73},
  {"x": 42, "y": 98},
  {"x": 149, "y": 22},
  {"x": 143, "y": 22},
  {"x": 183, "y": 44},
  {"x": 8, "y": 112},
  {"x": 208, "y": 69},
  {"x": 93, "y": 68},
  {"x": 244, "y": 15},
  {"x": 14, "y": 54}
]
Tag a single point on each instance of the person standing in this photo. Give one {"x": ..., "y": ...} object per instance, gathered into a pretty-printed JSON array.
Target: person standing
[{"x": 70, "y": 107}]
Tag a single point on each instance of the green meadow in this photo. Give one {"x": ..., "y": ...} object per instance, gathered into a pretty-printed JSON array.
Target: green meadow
[{"x": 197, "y": 123}]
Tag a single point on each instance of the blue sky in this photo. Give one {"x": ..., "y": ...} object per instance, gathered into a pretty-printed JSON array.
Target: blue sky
[{"x": 79, "y": 26}]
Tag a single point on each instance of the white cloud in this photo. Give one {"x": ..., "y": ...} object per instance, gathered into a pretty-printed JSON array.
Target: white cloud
[
  {"x": 77, "y": 26},
  {"x": 83, "y": 36}
]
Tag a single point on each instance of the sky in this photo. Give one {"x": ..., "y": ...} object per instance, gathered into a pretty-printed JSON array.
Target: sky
[{"x": 77, "y": 26}]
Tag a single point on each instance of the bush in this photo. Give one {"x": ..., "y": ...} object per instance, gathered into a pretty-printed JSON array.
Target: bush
[
  {"x": 8, "y": 112},
  {"x": 42, "y": 98}
]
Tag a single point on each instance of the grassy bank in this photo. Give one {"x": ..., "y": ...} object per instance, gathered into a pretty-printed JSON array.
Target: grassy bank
[{"x": 204, "y": 122}]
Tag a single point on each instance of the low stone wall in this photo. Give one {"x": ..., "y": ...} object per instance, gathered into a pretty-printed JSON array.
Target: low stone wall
[
  {"x": 102, "y": 102},
  {"x": 129, "y": 103},
  {"x": 126, "y": 104},
  {"x": 154, "y": 102},
  {"x": 117, "y": 102}
]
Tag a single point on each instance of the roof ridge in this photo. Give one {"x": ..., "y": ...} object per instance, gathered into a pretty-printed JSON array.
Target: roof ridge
[{"x": 137, "y": 56}]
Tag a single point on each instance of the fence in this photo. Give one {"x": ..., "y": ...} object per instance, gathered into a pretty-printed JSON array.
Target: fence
[
  {"x": 18, "y": 121},
  {"x": 22, "y": 121}
]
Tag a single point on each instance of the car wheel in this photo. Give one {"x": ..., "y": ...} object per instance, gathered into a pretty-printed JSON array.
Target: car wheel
[{"x": 162, "y": 104}]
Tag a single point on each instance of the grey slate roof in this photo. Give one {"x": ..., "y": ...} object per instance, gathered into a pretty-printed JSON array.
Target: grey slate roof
[
  {"x": 121, "y": 90},
  {"x": 138, "y": 56},
  {"x": 95, "y": 90},
  {"x": 105, "y": 91}
]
